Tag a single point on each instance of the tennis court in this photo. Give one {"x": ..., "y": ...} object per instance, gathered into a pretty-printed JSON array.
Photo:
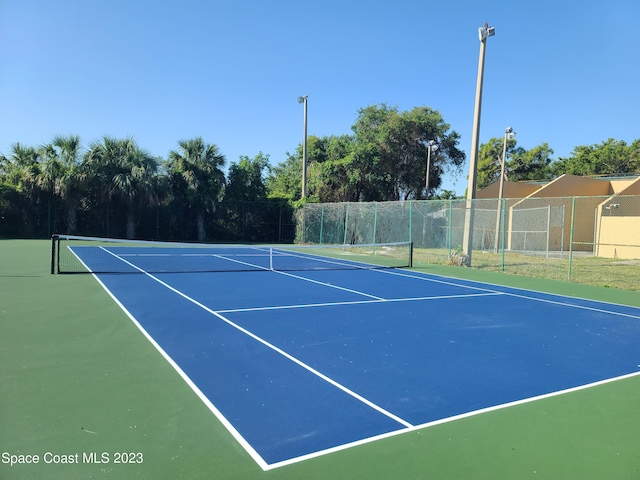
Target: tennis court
[{"x": 303, "y": 353}]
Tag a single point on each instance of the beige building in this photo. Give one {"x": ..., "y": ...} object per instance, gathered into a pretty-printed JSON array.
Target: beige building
[{"x": 605, "y": 212}]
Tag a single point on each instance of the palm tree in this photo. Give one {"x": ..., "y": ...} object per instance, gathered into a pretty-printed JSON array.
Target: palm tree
[
  {"x": 195, "y": 172},
  {"x": 22, "y": 167},
  {"x": 21, "y": 170},
  {"x": 125, "y": 173},
  {"x": 64, "y": 175}
]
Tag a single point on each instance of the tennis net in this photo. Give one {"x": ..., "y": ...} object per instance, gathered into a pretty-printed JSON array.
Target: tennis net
[{"x": 75, "y": 254}]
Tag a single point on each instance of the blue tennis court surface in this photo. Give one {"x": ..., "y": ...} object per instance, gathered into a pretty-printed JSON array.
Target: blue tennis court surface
[{"x": 301, "y": 363}]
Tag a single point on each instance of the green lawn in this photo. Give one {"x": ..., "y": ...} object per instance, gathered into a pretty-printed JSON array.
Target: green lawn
[
  {"x": 77, "y": 377},
  {"x": 623, "y": 274}
]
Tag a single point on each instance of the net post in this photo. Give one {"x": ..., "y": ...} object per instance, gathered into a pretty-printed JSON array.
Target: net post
[
  {"x": 271, "y": 258},
  {"x": 54, "y": 237}
]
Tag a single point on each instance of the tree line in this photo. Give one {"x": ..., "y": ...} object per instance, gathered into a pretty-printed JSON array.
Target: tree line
[
  {"x": 610, "y": 158},
  {"x": 116, "y": 188}
]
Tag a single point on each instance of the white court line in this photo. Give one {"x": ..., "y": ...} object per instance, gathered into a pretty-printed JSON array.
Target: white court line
[
  {"x": 446, "y": 420},
  {"x": 301, "y": 278},
  {"x": 195, "y": 255},
  {"x": 337, "y": 287},
  {"x": 565, "y": 304},
  {"x": 271, "y": 346},
  {"x": 235, "y": 261},
  {"x": 423, "y": 276},
  {"x": 351, "y": 264},
  {"x": 357, "y": 302}
]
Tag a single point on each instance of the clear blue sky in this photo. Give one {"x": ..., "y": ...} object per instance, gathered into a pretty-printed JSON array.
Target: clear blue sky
[{"x": 565, "y": 72}]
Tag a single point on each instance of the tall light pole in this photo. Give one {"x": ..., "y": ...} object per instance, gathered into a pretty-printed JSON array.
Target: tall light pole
[
  {"x": 508, "y": 134},
  {"x": 467, "y": 246},
  {"x": 303, "y": 100},
  {"x": 432, "y": 145}
]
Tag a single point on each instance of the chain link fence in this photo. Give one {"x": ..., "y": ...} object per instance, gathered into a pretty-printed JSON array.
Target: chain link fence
[
  {"x": 591, "y": 240},
  {"x": 269, "y": 221}
]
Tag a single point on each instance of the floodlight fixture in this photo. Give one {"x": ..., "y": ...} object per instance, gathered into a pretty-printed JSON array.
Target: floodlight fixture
[
  {"x": 510, "y": 133},
  {"x": 486, "y": 31}
]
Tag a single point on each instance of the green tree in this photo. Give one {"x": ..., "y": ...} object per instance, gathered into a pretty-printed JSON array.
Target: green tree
[
  {"x": 285, "y": 179},
  {"x": 246, "y": 179},
  {"x": 195, "y": 175},
  {"x": 531, "y": 164},
  {"x": 391, "y": 152},
  {"x": 521, "y": 164},
  {"x": 384, "y": 159},
  {"x": 489, "y": 160},
  {"x": 612, "y": 157},
  {"x": 446, "y": 195},
  {"x": 125, "y": 174},
  {"x": 64, "y": 175},
  {"x": 330, "y": 173},
  {"x": 22, "y": 170}
]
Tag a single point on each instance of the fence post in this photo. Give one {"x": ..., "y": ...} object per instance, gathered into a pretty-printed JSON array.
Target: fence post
[
  {"x": 503, "y": 232},
  {"x": 450, "y": 225},
  {"x": 375, "y": 222},
  {"x": 573, "y": 219},
  {"x": 346, "y": 224},
  {"x": 321, "y": 222},
  {"x": 562, "y": 233},
  {"x": 280, "y": 223},
  {"x": 411, "y": 221},
  {"x": 548, "y": 227}
]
